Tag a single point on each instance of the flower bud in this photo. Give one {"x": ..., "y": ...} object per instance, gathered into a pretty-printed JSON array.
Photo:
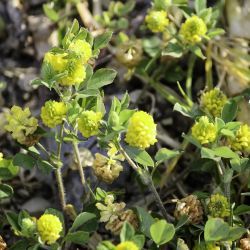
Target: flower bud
[
  {"x": 28, "y": 226},
  {"x": 218, "y": 206},
  {"x": 113, "y": 119}
]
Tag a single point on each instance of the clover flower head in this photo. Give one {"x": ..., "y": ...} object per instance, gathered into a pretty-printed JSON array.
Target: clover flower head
[
  {"x": 241, "y": 141},
  {"x": 218, "y": 206},
  {"x": 1, "y": 156},
  {"x": 82, "y": 49},
  {"x": 141, "y": 132},
  {"x": 127, "y": 245},
  {"x": 107, "y": 168},
  {"x": 204, "y": 131},
  {"x": 89, "y": 123},
  {"x": 110, "y": 210},
  {"x": 213, "y": 101},
  {"x": 157, "y": 20},
  {"x": 76, "y": 73},
  {"x": 53, "y": 113},
  {"x": 49, "y": 228},
  {"x": 193, "y": 30},
  {"x": 57, "y": 61},
  {"x": 21, "y": 124}
]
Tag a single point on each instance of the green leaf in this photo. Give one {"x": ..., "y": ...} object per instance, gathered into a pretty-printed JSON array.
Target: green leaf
[
  {"x": 216, "y": 229},
  {"x": 20, "y": 245},
  {"x": 242, "y": 209},
  {"x": 235, "y": 233},
  {"x": 165, "y": 154},
  {"x": 102, "y": 40},
  {"x": 87, "y": 93},
  {"x": 140, "y": 156},
  {"x": 106, "y": 245},
  {"x": 200, "y": 5},
  {"x": 229, "y": 111},
  {"x": 139, "y": 240},
  {"x": 79, "y": 237},
  {"x": 151, "y": 45},
  {"x": 101, "y": 78},
  {"x": 81, "y": 219},
  {"x": 228, "y": 175},
  {"x": 44, "y": 166},
  {"x": 225, "y": 152},
  {"x": 6, "y": 191},
  {"x": 7, "y": 169},
  {"x": 127, "y": 232},
  {"x": 146, "y": 220},
  {"x": 24, "y": 160},
  {"x": 162, "y": 232},
  {"x": 197, "y": 51},
  {"x": 183, "y": 110},
  {"x": 50, "y": 12},
  {"x": 13, "y": 220},
  {"x": 182, "y": 221},
  {"x": 215, "y": 32},
  {"x": 173, "y": 50}
]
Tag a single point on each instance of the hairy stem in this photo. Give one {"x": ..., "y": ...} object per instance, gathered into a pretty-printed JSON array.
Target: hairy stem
[
  {"x": 58, "y": 173},
  {"x": 79, "y": 164},
  {"x": 191, "y": 63}
]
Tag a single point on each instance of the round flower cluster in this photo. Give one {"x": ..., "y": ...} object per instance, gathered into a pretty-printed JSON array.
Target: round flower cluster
[
  {"x": 127, "y": 245},
  {"x": 21, "y": 124},
  {"x": 70, "y": 63},
  {"x": 49, "y": 228},
  {"x": 141, "y": 132},
  {"x": 157, "y": 21},
  {"x": 241, "y": 142},
  {"x": 193, "y": 30},
  {"x": 204, "y": 131},
  {"x": 89, "y": 123},
  {"x": 82, "y": 49},
  {"x": 53, "y": 113},
  {"x": 218, "y": 206},
  {"x": 213, "y": 101}
]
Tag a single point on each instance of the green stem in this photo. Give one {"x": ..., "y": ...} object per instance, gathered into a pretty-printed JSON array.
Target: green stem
[
  {"x": 146, "y": 178},
  {"x": 191, "y": 63},
  {"x": 79, "y": 164},
  {"x": 58, "y": 172}
]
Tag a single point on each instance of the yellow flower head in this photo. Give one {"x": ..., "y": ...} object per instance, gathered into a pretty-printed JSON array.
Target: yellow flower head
[
  {"x": 218, "y": 206},
  {"x": 193, "y": 30},
  {"x": 76, "y": 73},
  {"x": 82, "y": 49},
  {"x": 89, "y": 123},
  {"x": 53, "y": 113},
  {"x": 72, "y": 67},
  {"x": 127, "y": 245},
  {"x": 56, "y": 60},
  {"x": 204, "y": 131},
  {"x": 49, "y": 228},
  {"x": 1, "y": 156},
  {"x": 141, "y": 132},
  {"x": 213, "y": 102},
  {"x": 21, "y": 124},
  {"x": 241, "y": 142},
  {"x": 157, "y": 21}
]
